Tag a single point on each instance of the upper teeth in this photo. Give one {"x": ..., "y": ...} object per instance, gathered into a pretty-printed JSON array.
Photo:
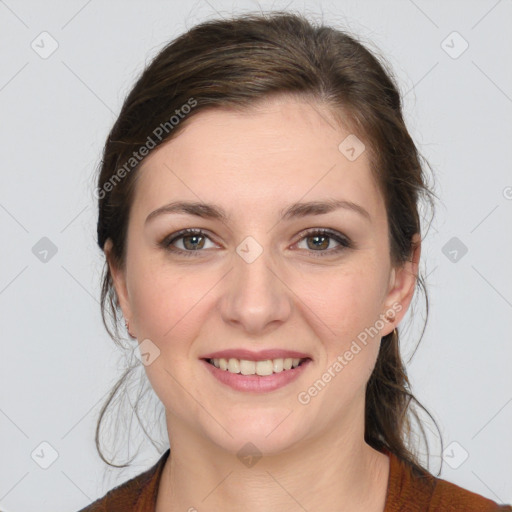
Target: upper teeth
[{"x": 262, "y": 368}]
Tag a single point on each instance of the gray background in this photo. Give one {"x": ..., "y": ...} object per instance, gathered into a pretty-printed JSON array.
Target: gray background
[{"x": 57, "y": 361}]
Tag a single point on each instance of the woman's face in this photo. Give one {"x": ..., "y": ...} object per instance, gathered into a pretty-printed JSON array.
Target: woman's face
[{"x": 257, "y": 280}]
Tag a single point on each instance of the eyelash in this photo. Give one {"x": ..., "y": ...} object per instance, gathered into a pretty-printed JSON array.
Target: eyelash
[{"x": 345, "y": 243}]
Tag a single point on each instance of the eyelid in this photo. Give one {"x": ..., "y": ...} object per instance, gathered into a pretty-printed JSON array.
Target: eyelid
[
  {"x": 167, "y": 242},
  {"x": 326, "y": 232},
  {"x": 343, "y": 241}
]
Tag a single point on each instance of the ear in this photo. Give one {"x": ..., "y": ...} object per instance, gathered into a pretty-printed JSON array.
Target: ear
[
  {"x": 402, "y": 284},
  {"x": 119, "y": 281}
]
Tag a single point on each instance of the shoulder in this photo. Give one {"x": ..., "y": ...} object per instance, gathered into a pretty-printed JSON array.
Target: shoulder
[
  {"x": 420, "y": 491},
  {"x": 122, "y": 497},
  {"x": 138, "y": 493},
  {"x": 448, "y": 496}
]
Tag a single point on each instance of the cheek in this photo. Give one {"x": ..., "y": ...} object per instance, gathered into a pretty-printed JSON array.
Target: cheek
[
  {"x": 168, "y": 307},
  {"x": 169, "y": 303},
  {"x": 166, "y": 304},
  {"x": 349, "y": 303},
  {"x": 347, "y": 300}
]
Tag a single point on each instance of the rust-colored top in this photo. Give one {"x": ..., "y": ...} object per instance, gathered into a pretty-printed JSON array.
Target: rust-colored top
[{"x": 406, "y": 493}]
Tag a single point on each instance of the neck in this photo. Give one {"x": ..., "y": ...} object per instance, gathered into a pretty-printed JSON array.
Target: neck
[{"x": 336, "y": 467}]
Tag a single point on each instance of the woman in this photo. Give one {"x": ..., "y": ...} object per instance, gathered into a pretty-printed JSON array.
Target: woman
[{"x": 258, "y": 210}]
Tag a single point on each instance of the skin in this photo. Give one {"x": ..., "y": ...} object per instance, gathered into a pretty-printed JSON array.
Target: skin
[{"x": 253, "y": 164}]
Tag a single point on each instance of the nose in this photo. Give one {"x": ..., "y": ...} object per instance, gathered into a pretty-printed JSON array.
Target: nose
[{"x": 256, "y": 297}]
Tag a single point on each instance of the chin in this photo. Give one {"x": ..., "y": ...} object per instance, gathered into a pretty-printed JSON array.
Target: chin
[{"x": 265, "y": 432}]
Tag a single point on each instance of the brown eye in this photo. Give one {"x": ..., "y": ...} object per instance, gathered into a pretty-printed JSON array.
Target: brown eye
[
  {"x": 192, "y": 242},
  {"x": 318, "y": 241}
]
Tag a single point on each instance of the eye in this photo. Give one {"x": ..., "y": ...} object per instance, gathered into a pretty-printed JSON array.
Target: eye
[
  {"x": 192, "y": 240},
  {"x": 321, "y": 239}
]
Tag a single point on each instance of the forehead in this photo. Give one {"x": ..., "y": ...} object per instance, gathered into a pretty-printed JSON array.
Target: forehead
[{"x": 276, "y": 153}]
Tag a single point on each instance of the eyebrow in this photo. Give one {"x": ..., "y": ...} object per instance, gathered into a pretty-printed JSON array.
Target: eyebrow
[{"x": 295, "y": 210}]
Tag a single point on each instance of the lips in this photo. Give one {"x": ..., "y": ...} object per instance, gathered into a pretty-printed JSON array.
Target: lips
[
  {"x": 256, "y": 383},
  {"x": 256, "y": 371},
  {"x": 261, "y": 355}
]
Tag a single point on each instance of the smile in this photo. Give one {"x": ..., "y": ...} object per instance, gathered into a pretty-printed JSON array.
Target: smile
[
  {"x": 256, "y": 376},
  {"x": 261, "y": 368}
]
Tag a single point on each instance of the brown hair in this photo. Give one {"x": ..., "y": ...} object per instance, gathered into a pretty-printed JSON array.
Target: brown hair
[{"x": 234, "y": 63}]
